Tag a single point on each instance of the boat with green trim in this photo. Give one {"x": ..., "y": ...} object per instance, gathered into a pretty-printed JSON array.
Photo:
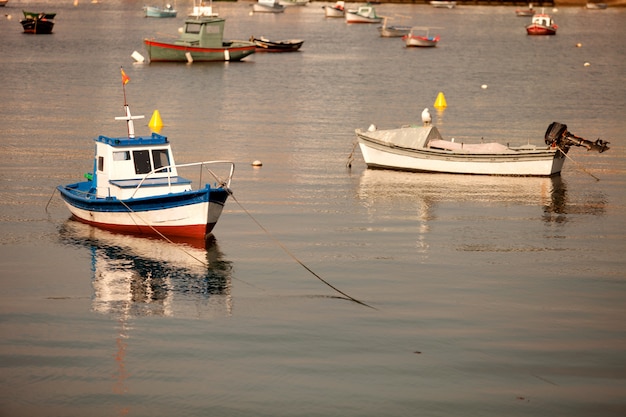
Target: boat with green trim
[{"x": 202, "y": 40}]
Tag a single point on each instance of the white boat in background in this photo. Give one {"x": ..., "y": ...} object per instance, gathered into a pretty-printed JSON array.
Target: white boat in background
[
  {"x": 393, "y": 31},
  {"x": 364, "y": 14},
  {"x": 202, "y": 10},
  {"x": 443, "y": 4},
  {"x": 420, "y": 37},
  {"x": 422, "y": 149},
  {"x": 165, "y": 11},
  {"x": 594, "y": 5},
  {"x": 268, "y": 6},
  {"x": 288, "y": 3},
  {"x": 336, "y": 10}
]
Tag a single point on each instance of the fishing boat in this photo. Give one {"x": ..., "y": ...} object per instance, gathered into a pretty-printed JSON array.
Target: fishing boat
[
  {"x": 525, "y": 12},
  {"x": 420, "y": 37},
  {"x": 364, "y": 14},
  {"x": 393, "y": 31},
  {"x": 3, "y": 3},
  {"x": 541, "y": 24},
  {"x": 336, "y": 10},
  {"x": 268, "y": 6},
  {"x": 135, "y": 187},
  {"x": 265, "y": 45},
  {"x": 443, "y": 4},
  {"x": 38, "y": 23},
  {"x": 156, "y": 11},
  {"x": 422, "y": 149},
  {"x": 202, "y": 40}
]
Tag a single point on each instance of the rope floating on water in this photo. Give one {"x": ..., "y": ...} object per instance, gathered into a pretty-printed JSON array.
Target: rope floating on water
[{"x": 288, "y": 252}]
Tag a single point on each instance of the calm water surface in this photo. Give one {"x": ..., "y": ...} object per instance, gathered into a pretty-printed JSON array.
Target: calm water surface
[{"x": 491, "y": 296}]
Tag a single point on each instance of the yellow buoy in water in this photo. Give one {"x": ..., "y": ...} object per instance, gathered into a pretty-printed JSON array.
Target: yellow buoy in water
[
  {"x": 440, "y": 103},
  {"x": 155, "y": 122}
]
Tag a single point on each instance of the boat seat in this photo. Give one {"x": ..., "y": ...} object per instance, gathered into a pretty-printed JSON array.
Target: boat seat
[{"x": 150, "y": 182}]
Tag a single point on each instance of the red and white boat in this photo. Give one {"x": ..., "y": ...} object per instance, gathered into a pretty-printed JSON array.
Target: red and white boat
[
  {"x": 541, "y": 24},
  {"x": 336, "y": 10},
  {"x": 420, "y": 37}
]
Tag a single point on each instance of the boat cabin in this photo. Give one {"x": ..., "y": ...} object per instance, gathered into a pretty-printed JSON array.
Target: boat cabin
[
  {"x": 132, "y": 167},
  {"x": 203, "y": 32},
  {"x": 542, "y": 20}
]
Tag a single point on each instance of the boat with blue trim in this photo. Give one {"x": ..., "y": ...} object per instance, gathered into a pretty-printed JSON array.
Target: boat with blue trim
[{"x": 135, "y": 187}]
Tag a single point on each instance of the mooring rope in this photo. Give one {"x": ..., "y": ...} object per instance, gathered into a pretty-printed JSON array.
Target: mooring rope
[
  {"x": 288, "y": 252},
  {"x": 351, "y": 156},
  {"x": 579, "y": 166}
]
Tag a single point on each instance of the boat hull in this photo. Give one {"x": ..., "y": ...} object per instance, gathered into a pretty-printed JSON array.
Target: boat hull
[
  {"x": 37, "y": 26},
  {"x": 262, "y": 8},
  {"x": 394, "y": 31},
  {"x": 159, "y": 12},
  {"x": 542, "y": 162},
  {"x": 539, "y": 30},
  {"x": 188, "y": 214},
  {"x": 331, "y": 11},
  {"x": 353, "y": 17},
  {"x": 418, "y": 41},
  {"x": 169, "y": 52},
  {"x": 264, "y": 45}
]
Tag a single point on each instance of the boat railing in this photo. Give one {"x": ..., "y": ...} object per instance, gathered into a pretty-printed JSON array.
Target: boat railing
[{"x": 222, "y": 182}]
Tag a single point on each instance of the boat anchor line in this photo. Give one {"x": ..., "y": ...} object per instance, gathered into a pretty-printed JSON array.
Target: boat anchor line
[
  {"x": 579, "y": 166},
  {"x": 295, "y": 258}
]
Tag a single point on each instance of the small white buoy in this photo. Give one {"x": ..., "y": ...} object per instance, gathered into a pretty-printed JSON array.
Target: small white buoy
[
  {"x": 257, "y": 163},
  {"x": 372, "y": 128},
  {"x": 586, "y": 64},
  {"x": 484, "y": 86},
  {"x": 578, "y": 45},
  {"x": 137, "y": 57},
  {"x": 251, "y": 13}
]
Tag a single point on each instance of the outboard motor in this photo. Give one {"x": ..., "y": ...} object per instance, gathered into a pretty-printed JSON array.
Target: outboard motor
[{"x": 557, "y": 135}]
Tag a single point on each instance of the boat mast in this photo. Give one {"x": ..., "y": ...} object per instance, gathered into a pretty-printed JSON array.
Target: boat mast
[{"x": 129, "y": 118}]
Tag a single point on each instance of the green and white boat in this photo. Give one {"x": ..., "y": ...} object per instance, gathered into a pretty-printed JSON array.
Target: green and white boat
[{"x": 202, "y": 40}]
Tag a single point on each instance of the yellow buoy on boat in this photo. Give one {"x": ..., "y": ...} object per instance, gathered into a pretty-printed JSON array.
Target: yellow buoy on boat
[
  {"x": 440, "y": 103},
  {"x": 155, "y": 122}
]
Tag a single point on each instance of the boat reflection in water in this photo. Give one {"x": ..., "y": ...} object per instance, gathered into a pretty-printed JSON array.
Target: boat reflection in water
[
  {"x": 428, "y": 190},
  {"x": 142, "y": 276}
]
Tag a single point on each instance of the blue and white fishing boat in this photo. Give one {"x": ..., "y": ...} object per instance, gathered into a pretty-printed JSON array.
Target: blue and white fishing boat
[{"x": 135, "y": 188}]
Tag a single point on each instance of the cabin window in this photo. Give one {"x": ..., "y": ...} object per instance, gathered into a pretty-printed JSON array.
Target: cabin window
[
  {"x": 192, "y": 28},
  {"x": 100, "y": 163},
  {"x": 121, "y": 156},
  {"x": 142, "y": 162},
  {"x": 159, "y": 156}
]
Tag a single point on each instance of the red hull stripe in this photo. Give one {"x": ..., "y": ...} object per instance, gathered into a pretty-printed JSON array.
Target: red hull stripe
[{"x": 194, "y": 231}]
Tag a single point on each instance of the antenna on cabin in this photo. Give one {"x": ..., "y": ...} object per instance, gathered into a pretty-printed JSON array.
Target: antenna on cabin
[{"x": 129, "y": 118}]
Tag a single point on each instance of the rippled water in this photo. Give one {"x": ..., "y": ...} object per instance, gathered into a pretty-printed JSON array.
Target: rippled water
[{"x": 492, "y": 296}]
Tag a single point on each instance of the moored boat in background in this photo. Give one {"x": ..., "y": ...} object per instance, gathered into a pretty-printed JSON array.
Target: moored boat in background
[
  {"x": 336, "y": 10},
  {"x": 420, "y": 37},
  {"x": 202, "y": 40},
  {"x": 364, "y": 14},
  {"x": 265, "y": 45},
  {"x": 267, "y": 6},
  {"x": 393, "y": 31},
  {"x": 156, "y": 11},
  {"x": 38, "y": 23},
  {"x": 541, "y": 24}
]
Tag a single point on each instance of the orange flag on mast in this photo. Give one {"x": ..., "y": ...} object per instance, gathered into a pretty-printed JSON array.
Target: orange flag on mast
[{"x": 125, "y": 78}]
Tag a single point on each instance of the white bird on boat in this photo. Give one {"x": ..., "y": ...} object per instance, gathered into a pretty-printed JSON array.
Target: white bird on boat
[{"x": 426, "y": 118}]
